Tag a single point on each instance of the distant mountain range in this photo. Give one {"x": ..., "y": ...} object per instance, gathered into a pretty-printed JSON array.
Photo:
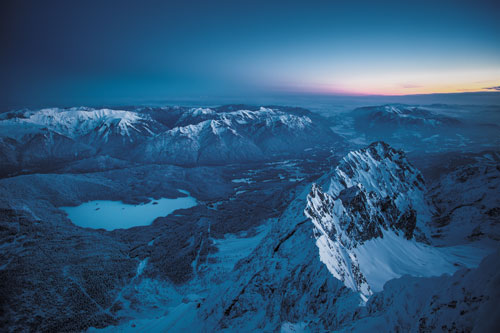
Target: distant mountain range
[
  {"x": 402, "y": 116},
  {"x": 173, "y": 135},
  {"x": 415, "y": 127}
]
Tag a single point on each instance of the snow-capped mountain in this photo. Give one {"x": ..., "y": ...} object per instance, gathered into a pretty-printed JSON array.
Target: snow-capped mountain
[
  {"x": 82, "y": 122},
  {"x": 375, "y": 188},
  {"x": 398, "y": 115},
  {"x": 281, "y": 281},
  {"x": 340, "y": 240},
  {"x": 416, "y": 128},
  {"x": 210, "y": 141},
  {"x": 371, "y": 220},
  {"x": 44, "y": 138},
  {"x": 243, "y": 135},
  {"x": 163, "y": 135},
  {"x": 39, "y": 149}
]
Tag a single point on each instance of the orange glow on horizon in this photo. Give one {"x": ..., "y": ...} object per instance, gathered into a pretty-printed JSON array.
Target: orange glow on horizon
[
  {"x": 396, "y": 92},
  {"x": 423, "y": 90},
  {"x": 381, "y": 87},
  {"x": 397, "y": 83}
]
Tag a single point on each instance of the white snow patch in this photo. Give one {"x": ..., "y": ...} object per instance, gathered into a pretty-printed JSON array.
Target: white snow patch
[
  {"x": 232, "y": 248},
  {"x": 287, "y": 327},
  {"x": 390, "y": 257},
  {"x": 243, "y": 180},
  {"x": 141, "y": 266}
]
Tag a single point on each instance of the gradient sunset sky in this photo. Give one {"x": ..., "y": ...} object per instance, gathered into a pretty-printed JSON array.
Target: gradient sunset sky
[{"x": 163, "y": 49}]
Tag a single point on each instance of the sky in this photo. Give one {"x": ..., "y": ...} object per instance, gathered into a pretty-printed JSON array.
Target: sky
[{"x": 56, "y": 52}]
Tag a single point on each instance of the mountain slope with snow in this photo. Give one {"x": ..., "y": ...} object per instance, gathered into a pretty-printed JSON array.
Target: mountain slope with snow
[
  {"x": 34, "y": 140},
  {"x": 213, "y": 136},
  {"x": 371, "y": 221},
  {"x": 397, "y": 116},
  {"x": 361, "y": 225},
  {"x": 464, "y": 302},
  {"x": 172, "y": 135},
  {"x": 421, "y": 128},
  {"x": 82, "y": 122},
  {"x": 281, "y": 281}
]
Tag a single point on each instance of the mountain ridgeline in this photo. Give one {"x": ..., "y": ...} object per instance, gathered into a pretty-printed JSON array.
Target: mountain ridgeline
[
  {"x": 43, "y": 139},
  {"x": 427, "y": 128},
  {"x": 371, "y": 192}
]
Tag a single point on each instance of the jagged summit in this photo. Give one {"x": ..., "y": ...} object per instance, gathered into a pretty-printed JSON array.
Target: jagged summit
[
  {"x": 372, "y": 207},
  {"x": 372, "y": 165},
  {"x": 380, "y": 188}
]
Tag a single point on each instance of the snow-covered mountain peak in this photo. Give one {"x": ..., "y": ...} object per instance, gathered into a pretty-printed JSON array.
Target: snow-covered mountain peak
[
  {"x": 80, "y": 121},
  {"x": 242, "y": 117},
  {"x": 378, "y": 184},
  {"x": 392, "y": 109},
  {"x": 178, "y": 135},
  {"x": 373, "y": 193},
  {"x": 398, "y": 115},
  {"x": 379, "y": 168},
  {"x": 195, "y": 115},
  {"x": 235, "y": 134}
]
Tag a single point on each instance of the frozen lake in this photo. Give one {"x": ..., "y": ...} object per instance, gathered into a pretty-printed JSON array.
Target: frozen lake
[{"x": 112, "y": 215}]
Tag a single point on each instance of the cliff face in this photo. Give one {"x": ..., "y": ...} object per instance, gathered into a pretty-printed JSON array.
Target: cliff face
[
  {"x": 372, "y": 191},
  {"x": 334, "y": 247}
]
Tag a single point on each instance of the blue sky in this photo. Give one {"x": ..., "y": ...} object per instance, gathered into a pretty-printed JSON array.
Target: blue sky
[{"x": 58, "y": 51}]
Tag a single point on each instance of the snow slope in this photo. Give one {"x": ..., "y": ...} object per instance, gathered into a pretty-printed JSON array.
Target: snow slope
[
  {"x": 389, "y": 257},
  {"x": 464, "y": 302}
]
